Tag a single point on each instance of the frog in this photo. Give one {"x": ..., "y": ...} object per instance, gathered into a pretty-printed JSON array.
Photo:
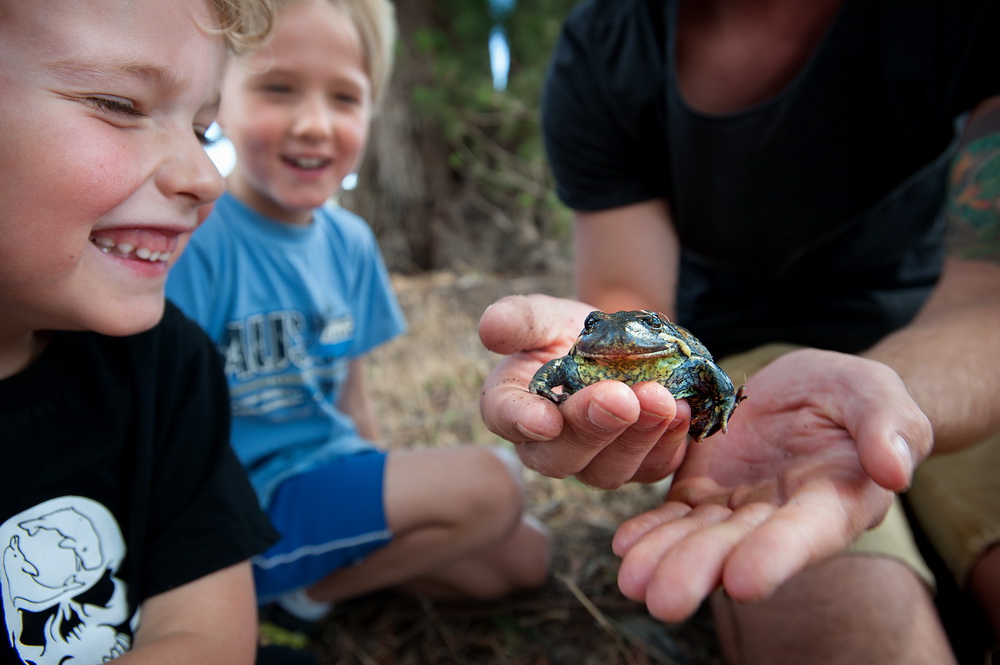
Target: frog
[{"x": 643, "y": 345}]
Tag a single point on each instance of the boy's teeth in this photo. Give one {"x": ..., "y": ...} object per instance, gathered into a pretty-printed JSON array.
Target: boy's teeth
[
  {"x": 128, "y": 250},
  {"x": 307, "y": 163}
]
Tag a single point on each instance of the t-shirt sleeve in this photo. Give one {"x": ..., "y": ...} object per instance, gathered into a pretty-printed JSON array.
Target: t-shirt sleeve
[
  {"x": 979, "y": 46},
  {"x": 602, "y": 96},
  {"x": 203, "y": 514},
  {"x": 378, "y": 317}
]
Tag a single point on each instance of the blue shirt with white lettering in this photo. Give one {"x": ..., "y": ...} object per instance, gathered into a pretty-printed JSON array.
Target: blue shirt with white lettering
[{"x": 289, "y": 307}]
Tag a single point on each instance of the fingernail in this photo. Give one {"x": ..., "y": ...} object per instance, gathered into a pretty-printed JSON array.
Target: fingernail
[
  {"x": 603, "y": 419},
  {"x": 674, "y": 424},
  {"x": 530, "y": 435},
  {"x": 647, "y": 421},
  {"x": 902, "y": 447}
]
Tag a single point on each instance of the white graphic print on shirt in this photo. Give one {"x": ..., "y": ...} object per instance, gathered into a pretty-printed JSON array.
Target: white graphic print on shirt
[
  {"x": 284, "y": 365},
  {"x": 61, "y": 596}
]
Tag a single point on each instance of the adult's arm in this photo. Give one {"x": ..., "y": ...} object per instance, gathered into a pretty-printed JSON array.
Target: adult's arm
[
  {"x": 627, "y": 258},
  {"x": 949, "y": 356}
]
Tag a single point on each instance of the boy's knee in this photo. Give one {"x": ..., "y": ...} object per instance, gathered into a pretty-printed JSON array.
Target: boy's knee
[
  {"x": 537, "y": 544},
  {"x": 497, "y": 489}
]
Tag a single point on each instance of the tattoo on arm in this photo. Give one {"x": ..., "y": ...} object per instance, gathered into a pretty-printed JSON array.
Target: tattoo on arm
[{"x": 973, "y": 202}]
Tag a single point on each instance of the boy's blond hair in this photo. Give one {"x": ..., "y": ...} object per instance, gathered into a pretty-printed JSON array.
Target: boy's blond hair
[
  {"x": 244, "y": 23},
  {"x": 375, "y": 21}
]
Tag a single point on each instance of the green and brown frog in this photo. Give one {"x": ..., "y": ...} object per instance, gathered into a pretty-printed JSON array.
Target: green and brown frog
[{"x": 639, "y": 346}]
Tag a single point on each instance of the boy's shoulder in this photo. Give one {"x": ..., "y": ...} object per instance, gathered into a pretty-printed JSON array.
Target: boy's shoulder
[
  {"x": 333, "y": 213},
  {"x": 338, "y": 222}
]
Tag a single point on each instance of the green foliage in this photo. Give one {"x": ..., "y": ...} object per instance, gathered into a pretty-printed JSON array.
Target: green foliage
[{"x": 494, "y": 135}]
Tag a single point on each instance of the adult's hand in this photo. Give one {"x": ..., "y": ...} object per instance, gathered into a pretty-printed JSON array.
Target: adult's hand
[
  {"x": 811, "y": 460},
  {"x": 606, "y": 434}
]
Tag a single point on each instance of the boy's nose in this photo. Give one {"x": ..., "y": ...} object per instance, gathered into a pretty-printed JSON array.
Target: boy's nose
[
  {"x": 313, "y": 119},
  {"x": 190, "y": 173}
]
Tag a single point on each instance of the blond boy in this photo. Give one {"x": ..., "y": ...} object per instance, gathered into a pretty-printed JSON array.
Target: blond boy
[
  {"x": 295, "y": 294},
  {"x": 125, "y": 521}
]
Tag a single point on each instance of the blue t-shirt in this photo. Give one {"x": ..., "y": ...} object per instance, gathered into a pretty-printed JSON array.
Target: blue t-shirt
[{"x": 289, "y": 308}]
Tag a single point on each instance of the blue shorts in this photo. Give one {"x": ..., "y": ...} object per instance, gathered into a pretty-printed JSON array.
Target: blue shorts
[{"x": 329, "y": 517}]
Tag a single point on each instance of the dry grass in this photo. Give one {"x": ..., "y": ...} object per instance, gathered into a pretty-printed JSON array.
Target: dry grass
[{"x": 427, "y": 389}]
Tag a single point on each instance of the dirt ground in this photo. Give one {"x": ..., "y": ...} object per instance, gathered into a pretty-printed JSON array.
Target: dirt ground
[{"x": 427, "y": 385}]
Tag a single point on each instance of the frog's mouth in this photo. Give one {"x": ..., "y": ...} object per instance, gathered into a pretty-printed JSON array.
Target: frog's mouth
[{"x": 627, "y": 355}]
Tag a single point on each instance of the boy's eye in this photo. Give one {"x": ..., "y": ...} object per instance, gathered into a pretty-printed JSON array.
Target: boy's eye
[
  {"x": 345, "y": 98},
  {"x": 115, "y": 105},
  {"x": 277, "y": 88}
]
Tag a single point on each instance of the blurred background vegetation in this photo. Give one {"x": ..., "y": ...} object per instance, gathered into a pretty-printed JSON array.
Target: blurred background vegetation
[{"x": 455, "y": 177}]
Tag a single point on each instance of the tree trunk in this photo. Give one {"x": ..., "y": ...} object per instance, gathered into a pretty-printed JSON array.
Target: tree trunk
[
  {"x": 448, "y": 183},
  {"x": 405, "y": 184}
]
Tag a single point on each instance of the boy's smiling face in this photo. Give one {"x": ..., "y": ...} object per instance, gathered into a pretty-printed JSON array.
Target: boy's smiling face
[
  {"x": 297, "y": 112},
  {"x": 103, "y": 173}
]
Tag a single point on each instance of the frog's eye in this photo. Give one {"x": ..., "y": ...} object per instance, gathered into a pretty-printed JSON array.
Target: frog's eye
[
  {"x": 651, "y": 320},
  {"x": 590, "y": 322}
]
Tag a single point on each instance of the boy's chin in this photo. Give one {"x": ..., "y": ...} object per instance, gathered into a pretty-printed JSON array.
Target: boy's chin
[{"x": 132, "y": 318}]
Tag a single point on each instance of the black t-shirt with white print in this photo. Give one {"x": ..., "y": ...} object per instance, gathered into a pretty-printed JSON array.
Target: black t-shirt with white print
[{"x": 117, "y": 483}]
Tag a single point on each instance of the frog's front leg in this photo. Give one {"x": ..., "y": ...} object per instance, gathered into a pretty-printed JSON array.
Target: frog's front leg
[{"x": 558, "y": 372}]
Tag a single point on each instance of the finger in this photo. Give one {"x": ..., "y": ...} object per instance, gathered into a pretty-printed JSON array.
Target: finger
[
  {"x": 592, "y": 419},
  {"x": 655, "y": 534},
  {"x": 618, "y": 463},
  {"x": 889, "y": 445},
  {"x": 890, "y": 431},
  {"x": 511, "y": 412},
  {"x": 524, "y": 323},
  {"x": 803, "y": 532},
  {"x": 635, "y": 528},
  {"x": 670, "y": 451},
  {"x": 692, "y": 569}
]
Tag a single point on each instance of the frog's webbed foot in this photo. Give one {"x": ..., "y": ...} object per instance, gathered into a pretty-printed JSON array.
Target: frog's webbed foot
[{"x": 712, "y": 398}]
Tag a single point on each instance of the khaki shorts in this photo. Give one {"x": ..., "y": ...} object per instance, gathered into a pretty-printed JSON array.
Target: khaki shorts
[{"x": 955, "y": 497}]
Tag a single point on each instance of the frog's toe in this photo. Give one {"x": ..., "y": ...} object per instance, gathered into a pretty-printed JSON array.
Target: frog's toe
[{"x": 547, "y": 393}]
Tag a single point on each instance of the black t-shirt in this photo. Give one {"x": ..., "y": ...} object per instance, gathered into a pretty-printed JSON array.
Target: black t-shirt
[
  {"x": 813, "y": 217},
  {"x": 117, "y": 483}
]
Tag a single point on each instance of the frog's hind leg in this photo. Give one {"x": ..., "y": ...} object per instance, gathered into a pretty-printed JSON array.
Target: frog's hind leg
[{"x": 708, "y": 391}]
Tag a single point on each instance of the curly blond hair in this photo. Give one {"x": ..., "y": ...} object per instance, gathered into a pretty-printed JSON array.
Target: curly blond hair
[{"x": 244, "y": 23}]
